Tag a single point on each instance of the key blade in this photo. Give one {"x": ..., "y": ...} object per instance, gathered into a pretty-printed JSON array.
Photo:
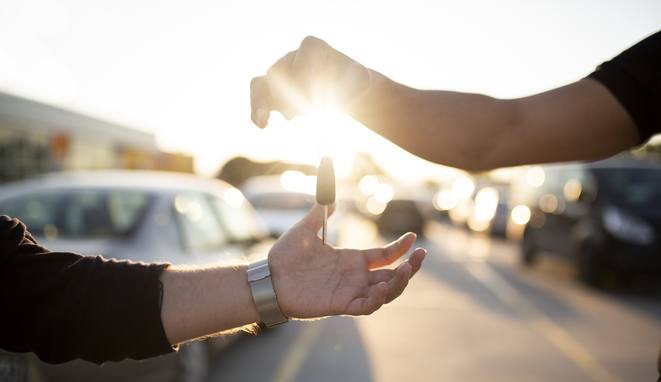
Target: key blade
[{"x": 325, "y": 182}]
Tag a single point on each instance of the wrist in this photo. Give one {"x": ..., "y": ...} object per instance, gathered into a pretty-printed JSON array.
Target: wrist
[
  {"x": 367, "y": 101},
  {"x": 204, "y": 301},
  {"x": 278, "y": 278},
  {"x": 263, "y": 292}
]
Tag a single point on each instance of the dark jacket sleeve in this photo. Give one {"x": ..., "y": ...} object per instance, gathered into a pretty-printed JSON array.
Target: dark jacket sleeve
[
  {"x": 634, "y": 78},
  {"x": 64, "y": 306}
]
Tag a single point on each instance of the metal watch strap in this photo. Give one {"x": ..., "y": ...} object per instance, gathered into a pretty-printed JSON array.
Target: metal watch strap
[{"x": 259, "y": 278}]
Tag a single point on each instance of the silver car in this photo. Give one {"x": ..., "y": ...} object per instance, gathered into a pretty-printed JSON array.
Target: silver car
[{"x": 143, "y": 216}]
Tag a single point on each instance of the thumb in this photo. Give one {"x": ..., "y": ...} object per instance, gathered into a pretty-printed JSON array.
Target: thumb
[
  {"x": 315, "y": 218},
  {"x": 259, "y": 101}
]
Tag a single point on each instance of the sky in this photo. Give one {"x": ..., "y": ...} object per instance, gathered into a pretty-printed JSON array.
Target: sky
[{"x": 182, "y": 69}]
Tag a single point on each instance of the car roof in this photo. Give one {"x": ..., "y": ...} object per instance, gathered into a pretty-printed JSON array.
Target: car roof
[
  {"x": 625, "y": 161},
  {"x": 626, "y": 166},
  {"x": 621, "y": 161},
  {"x": 268, "y": 184},
  {"x": 119, "y": 179}
]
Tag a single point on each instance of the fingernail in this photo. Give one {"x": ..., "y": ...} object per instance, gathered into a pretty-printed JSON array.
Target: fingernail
[{"x": 262, "y": 116}]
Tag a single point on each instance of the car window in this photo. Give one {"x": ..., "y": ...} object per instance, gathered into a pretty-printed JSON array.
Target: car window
[
  {"x": 638, "y": 189},
  {"x": 200, "y": 226},
  {"x": 79, "y": 214},
  {"x": 238, "y": 217},
  {"x": 282, "y": 201}
]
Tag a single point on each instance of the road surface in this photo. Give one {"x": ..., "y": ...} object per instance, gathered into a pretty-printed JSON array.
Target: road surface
[{"x": 471, "y": 314}]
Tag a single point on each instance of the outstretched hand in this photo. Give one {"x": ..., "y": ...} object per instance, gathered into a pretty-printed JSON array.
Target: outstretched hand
[{"x": 312, "y": 279}]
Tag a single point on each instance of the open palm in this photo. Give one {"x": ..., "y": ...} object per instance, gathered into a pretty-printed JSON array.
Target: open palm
[{"x": 312, "y": 279}]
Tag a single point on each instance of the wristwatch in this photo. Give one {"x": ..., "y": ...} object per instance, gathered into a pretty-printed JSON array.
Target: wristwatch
[{"x": 261, "y": 286}]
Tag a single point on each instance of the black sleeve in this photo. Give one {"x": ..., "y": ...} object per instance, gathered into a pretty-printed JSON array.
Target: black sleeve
[
  {"x": 63, "y": 306},
  {"x": 634, "y": 78}
]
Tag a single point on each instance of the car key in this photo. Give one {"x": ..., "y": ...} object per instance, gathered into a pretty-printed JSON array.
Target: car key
[{"x": 325, "y": 190}]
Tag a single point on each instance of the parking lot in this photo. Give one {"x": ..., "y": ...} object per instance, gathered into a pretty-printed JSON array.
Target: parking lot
[{"x": 471, "y": 314}]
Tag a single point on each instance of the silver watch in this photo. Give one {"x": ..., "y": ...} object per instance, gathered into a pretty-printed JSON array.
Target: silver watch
[{"x": 261, "y": 286}]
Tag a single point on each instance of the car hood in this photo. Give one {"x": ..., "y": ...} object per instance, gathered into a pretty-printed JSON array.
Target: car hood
[
  {"x": 279, "y": 221},
  {"x": 123, "y": 250}
]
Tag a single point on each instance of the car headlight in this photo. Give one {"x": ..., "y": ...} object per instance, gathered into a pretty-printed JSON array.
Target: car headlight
[{"x": 627, "y": 227}]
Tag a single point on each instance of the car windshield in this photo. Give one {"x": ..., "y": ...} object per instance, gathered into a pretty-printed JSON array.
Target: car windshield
[
  {"x": 239, "y": 219},
  {"x": 79, "y": 214},
  {"x": 634, "y": 188},
  {"x": 282, "y": 201}
]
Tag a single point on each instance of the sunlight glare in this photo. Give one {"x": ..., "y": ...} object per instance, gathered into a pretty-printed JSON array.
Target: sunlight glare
[
  {"x": 368, "y": 184},
  {"x": 296, "y": 181},
  {"x": 331, "y": 134},
  {"x": 233, "y": 197},
  {"x": 521, "y": 214}
]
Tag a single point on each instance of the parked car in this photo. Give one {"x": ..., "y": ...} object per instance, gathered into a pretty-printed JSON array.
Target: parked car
[
  {"x": 143, "y": 216},
  {"x": 604, "y": 216},
  {"x": 281, "y": 210},
  {"x": 399, "y": 216},
  {"x": 282, "y": 200}
]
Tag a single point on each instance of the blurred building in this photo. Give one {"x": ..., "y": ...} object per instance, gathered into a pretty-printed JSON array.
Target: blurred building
[{"x": 37, "y": 138}]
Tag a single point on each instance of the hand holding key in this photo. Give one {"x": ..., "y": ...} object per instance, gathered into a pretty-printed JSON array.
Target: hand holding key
[{"x": 307, "y": 75}]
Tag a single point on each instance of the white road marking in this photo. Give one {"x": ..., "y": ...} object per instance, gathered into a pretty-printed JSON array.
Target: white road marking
[
  {"x": 291, "y": 365},
  {"x": 551, "y": 331}
]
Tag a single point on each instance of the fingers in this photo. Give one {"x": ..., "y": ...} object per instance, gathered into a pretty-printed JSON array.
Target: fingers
[
  {"x": 416, "y": 259},
  {"x": 314, "y": 220},
  {"x": 376, "y": 297},
  {"x": 398, "y": 283},
  {"x": 397, "y": 279},
  {"x": 310, "y": 69},
  {"x": 285, "y": 93},
  {"x": 388, "y": 284},
  {"x": 294, "y": 80},
  {"x": 379, "y": 257},
  {"x": 274, "y": 91},
  {"x": 259, "y": 101}
]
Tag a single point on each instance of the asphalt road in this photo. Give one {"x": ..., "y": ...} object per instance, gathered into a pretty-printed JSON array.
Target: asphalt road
[{"x": 471, "y": 314}]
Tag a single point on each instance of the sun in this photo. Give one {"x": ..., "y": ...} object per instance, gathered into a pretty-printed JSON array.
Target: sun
[{"x": 332, "y": 134}]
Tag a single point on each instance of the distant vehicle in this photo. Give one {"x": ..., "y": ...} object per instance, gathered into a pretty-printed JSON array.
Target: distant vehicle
[
  {"x": 489, "y": 209},
  {"x": 283, "y": 200},
  {"x": 499, "y": 221},
  {"x": 604, "y": 216},
  {"x": 399, "y": 216},
  {"x": 281, "y": 210},
  {"x": 144, "y": 216}
]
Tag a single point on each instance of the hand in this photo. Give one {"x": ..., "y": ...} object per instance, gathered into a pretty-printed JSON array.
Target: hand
[
  {"x": 315, "y": 280},
  {"x": 313, "y": 73}
]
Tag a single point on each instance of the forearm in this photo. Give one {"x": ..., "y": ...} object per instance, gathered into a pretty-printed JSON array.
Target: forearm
[
  {"x": 64, "y": 306},
  {"x": 456, "y": 129},
  {"x": 199, "y": 302},
  {"x": 580, "y": 121}
]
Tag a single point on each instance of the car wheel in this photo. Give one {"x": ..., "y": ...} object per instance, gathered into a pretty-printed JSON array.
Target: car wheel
[
  {"x": 528, "y": 250},
  {"x": 193, "y": 362}
]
